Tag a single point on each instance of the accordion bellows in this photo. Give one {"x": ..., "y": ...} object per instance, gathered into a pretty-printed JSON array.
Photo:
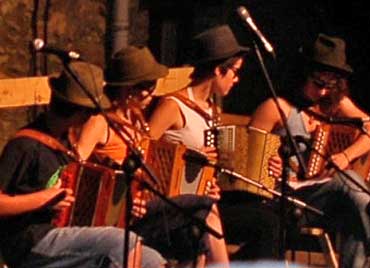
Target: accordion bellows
[
  {"x": 246, "y": 150},
  {"x": 174, "y": 175},
  {"x": 329, "y": 139}
]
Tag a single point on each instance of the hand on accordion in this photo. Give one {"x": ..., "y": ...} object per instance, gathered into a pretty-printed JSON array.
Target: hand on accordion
[
  {"x": 59, "y": 198},
  {"x": 214, "y": 190},
  {"x": 341, "y": 160},
  {"x": 138, "y": 205},
  {"x": 275, "y": 166},
  {"x": 211, "y": 152}
]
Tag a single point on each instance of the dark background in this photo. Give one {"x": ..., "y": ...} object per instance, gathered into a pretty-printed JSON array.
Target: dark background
[
  {"x": 290, "y": 24},
  {"x": 166, "y": 26},
  {"x": 286, "y": 24}
]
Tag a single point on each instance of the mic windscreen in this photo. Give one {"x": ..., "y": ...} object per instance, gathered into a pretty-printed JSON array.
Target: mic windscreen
[
  {"x": 38, "y": 44},
  {"x": 243, "y": 12}
]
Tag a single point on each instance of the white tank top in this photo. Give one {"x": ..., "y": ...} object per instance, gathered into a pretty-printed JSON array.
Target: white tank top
[{"x": 192, "y": 134}]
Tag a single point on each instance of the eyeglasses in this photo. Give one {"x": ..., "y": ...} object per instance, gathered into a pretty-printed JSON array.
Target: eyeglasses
[
  {"x": 329, "y": 84},
  {"x": 235, "y": 70},
  {"x": 146, "y": 85}
]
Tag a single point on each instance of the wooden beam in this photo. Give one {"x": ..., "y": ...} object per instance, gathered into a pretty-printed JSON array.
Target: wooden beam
[
  {"x": 177, "y": 78},
  {"x": 26, "y": 91},
  {"x": 16, "y": 92}
]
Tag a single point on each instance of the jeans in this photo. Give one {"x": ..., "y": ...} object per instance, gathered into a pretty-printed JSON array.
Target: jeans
[
  {"x": 345, "y": 205},
  {"x": 86, "y": 247}
]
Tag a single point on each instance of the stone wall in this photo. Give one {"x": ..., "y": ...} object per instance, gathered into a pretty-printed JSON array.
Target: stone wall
[{"x": 78, "y": 25}]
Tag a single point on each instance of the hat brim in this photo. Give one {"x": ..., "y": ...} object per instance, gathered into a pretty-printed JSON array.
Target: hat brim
[
  {"x": 343, "y": 70},
  {"x": 241, "y": 51},
  {"x": 103, "y": 101},
  {"x": 161, "y": 71}
]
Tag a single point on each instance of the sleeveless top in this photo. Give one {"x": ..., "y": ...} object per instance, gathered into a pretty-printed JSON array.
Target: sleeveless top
[
  {"x": 297, "y": 127},
  {"x": 192, "y": 134},
  {"x": 115, "y": 148}
]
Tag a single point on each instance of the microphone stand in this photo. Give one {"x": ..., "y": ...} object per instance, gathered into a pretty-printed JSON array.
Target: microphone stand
[
  {"x": 331, "y": 120},
  {"x": 331, "y": 164},
  {"x": 352, "y": 122},
  {"x": 288, "y": 147},
  {"x": 130, "y": 165},
  {"x": 295, "y": 201}
]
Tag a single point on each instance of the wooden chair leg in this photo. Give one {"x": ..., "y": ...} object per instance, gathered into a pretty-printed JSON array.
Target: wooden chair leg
[{"x": 325, "y": 243}]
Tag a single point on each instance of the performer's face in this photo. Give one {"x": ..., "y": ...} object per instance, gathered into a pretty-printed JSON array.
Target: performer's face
[
  {"x": 325, "y": 89},
  {"x": 142, "y": 94},
  {"x": 228, "y": 78},
  {"x": 321, "y": 85}
]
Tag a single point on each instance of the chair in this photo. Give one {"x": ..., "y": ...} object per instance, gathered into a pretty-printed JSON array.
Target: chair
[{"x": 313, "y": 239}]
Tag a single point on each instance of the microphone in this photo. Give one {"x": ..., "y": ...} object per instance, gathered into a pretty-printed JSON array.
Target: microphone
[
  {"x": 40, "y": 46},
  {"x": 354, "y": 121},
  {"x": 245, "y": 16}
]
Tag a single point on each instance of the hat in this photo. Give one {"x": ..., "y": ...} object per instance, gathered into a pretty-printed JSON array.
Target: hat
[
  {"x": 330, "y": 52},
  {"x": 217, "y": 43},
  {"x": 133, "y": 65},
  {"x": 67, "y": 89}
]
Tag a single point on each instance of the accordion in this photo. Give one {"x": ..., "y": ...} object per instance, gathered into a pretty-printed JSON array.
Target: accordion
[
  {"x": 174, "y": 175},
  {"x": 245, "y": 150},
  {"x": 99, "y": 196},
  {"x": 329, "y": 139}
]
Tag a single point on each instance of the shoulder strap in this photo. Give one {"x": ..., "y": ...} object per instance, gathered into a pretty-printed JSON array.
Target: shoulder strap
[
  {"x": 115, "y": 118},
  {"x": 45, "y": 139},
  {"x": 191, "y": 104}
]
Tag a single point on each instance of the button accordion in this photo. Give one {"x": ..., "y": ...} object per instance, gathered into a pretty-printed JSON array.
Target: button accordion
[
  {"x": 99, "y": 196},
  {"x": 174, "y": 175},
  {"x": 245, "y": 150},
  {"x": 329, "y": 139}
]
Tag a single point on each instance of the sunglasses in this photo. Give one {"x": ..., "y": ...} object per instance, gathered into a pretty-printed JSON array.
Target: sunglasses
[
  {"x": 329, "y": 84},
  {"x": 235, "y": 70},
  {"x": 146, "y": 85}
]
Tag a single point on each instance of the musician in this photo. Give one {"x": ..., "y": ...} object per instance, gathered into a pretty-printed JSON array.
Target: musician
[
  {"x": 131, "y": 78},
  {"x": 183, "y": 117},
  {"x": 30, "y": 198},
  {"x": 323, "y": 88}
]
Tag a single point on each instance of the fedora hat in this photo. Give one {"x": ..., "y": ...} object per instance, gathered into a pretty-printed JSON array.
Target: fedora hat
[
  {"x": 214, "y": 44},
  {"x": 133, "y": 65},
  {"x": 330, "y": 53},
  {"x": 65, "y": 87}
]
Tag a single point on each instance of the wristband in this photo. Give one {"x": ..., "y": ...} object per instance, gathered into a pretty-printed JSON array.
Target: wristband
[{"x": 346, "y": 156}]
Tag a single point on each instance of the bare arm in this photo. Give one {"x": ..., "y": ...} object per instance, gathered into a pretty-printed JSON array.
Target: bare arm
[
  {"x": 362, "y": 144},
  {"x": 19, "y": 204},
  {"x": 93, "y": 132},
  {"x": 167, "y": 115},
  {"x": 267, "y": 116}
]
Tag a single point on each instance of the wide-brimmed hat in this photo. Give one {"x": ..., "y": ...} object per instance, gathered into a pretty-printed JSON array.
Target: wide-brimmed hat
[
  {"x": 330, "y": 53},
  {"x": 214, "y": 44},
  {"x": 133, "y": 65},
  {"x": 66, "y": 88}
]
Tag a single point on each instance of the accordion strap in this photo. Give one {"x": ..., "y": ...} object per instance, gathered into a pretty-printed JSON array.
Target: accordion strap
[
  {"x": 191, "y": 104},
  {"x": 45, "y": 139},
  {"x": 119, "y": 120}
]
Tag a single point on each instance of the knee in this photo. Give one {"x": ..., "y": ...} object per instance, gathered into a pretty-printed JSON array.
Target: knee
[
  {"x": 116, "y": 237},
  {"x": 151, "y": 258},
  {"x": 213, "y": 216}
]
